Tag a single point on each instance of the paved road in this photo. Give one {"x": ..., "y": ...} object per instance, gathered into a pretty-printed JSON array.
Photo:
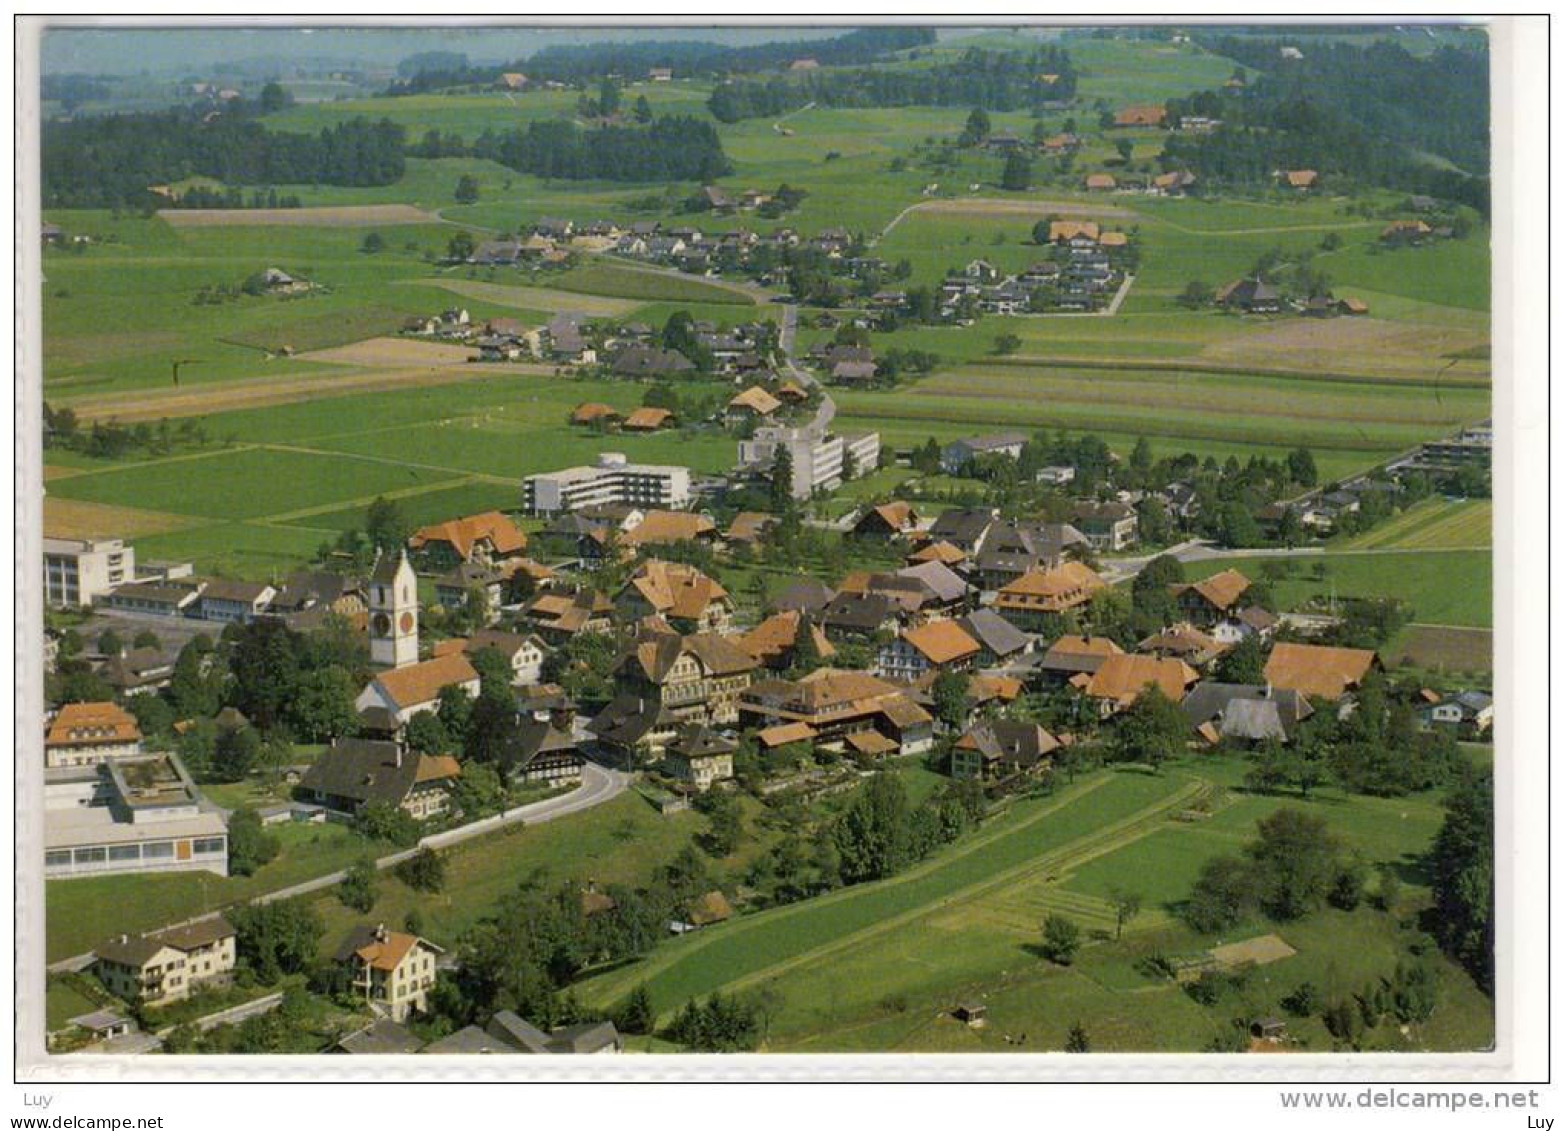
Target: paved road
[
  {"x": 1199, "y": 550},
  {"x": 598, "y": 785}
]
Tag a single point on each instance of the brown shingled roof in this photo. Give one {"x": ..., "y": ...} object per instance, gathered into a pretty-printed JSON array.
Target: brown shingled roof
[
  {"x": 942, "y": 552},
  {"x": 677, "y": 590},
  {"x": 786, "y": 733},
  {"x": 1315, "y": 670},
  {"x": 942, "y": 641},
  {"x": 462, "y": 534},
  {"x": 419, "y": 683},
  {"x": 1122, "y": 678},
  {"x": 92, "y": 724},
  {"x": 755, "y": 399},
  {"x": 776, "y": 636},
  {"x": 662, "y": 527},
  {"x": 1062, "y": 231},
  {"x": 1221, "y": 590},
  {"x": 647, "y": 419},
  {"x": 1053, "y": 590},
  {"x": 898, "y": 515}
]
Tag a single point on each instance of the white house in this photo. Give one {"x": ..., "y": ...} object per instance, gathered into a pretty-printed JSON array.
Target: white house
[{"x": 406, "y": 691}]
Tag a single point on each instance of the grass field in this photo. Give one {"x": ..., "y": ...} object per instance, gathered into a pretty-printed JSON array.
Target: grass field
[
  {"x": 1444, "y": 587},
  {"x": 1348, "y": 426},
  {"x": 62, "y": 1001},
  {"x": 83, "y": 912},
  {"x": 618, "y": 280},
  {"x": 750, "y": 949},
  {"x": 364, "y": 216},
  {"x": 1433, "y": 524},
  {"x": 876, "y": 968},
  {"x": 618, "y": 842},
  {"x": 439, "y": 449}
]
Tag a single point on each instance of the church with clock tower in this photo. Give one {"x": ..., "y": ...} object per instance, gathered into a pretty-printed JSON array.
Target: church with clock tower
[{"x": 393, "y": 612}]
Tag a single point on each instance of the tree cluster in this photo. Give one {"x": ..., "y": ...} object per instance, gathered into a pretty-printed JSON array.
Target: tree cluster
[
  {"x": 1346, "y": 111},
  {"x": 671, "y": 148},
  {"x": 881, "y": 832},
  {"x": 992, "y": 80},
  {"x": 1290, "y": 869},
  {"x": 108, "y": 161}
]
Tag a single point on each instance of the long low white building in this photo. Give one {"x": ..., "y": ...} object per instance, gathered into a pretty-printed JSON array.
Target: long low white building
[
  {"x": 140, "y": 814},
  {"x": 613, "y": 479}
]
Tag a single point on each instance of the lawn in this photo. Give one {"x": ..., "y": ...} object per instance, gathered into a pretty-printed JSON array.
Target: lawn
[
  {"x": 62, "y": 1001},
  {"x": 883, "y": 993},
  {"x": 796, "y": 939},
  {"x": 1433, "y": 524},
  {"x": 1444, "y": 587},
  {"x": 83, "y": 912},
  {"x": 605, "y": 277},
  {"x": 618, "y": 842},
  {"x": 224, "y": 485}
]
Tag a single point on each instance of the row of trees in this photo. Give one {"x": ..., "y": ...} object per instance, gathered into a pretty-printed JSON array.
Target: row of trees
[
  {"x": 108, "y": 439},
  {"x": 673, "y": 148},
  {"x": 109, "y": 161},
  {"x": 994, "y": 80},
  {"x": 881, "y": 832},
  {"x": 578, "y": 64}
]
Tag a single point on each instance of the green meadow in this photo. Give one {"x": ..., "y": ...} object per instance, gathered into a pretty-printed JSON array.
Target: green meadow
[
  {"x": 297, "y": 475},
  {"x": 1453, "y": 587},
  {"x": 878, "y": 967}
]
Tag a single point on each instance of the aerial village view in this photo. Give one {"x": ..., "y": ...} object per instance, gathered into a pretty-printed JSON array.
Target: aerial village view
[{"x": 788, "y": 540}]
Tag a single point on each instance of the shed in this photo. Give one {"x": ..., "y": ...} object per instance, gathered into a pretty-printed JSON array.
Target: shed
[
  {"x": 973, "y": 1014},
  {"x": 104, "y": 1024},
  {"x": 1269, "y": 1028}
]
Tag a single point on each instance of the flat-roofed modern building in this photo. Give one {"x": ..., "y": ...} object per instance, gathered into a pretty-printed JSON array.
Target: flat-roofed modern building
[
  {"x": 78, "y": 570},
  {"x": 819, "y": 458},
  {"x": 613, "y": 479},
  {"x": 140, "y": 814}
]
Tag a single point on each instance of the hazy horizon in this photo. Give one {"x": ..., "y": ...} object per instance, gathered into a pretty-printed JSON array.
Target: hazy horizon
[{"x": 175, "y": 49}]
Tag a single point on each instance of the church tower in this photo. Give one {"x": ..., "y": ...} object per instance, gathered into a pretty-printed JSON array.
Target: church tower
[{"x": 393, "y": 612}]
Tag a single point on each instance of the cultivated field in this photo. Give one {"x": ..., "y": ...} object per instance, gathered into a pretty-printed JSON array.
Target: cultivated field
[
  {"x": 74, "y": 518},
  {"x": 394, "y": 353},
  {"x": 537, "y": 298},
  {"x": 260, "y": 392},
  {"x": 443, "y": 440},
  {"x": 878, "y": 967},
  {"x": 622, "y": 280},
  {"x": 1433, "y": 524},
  {"x": 352, "y": 216},
  {"x": 1444, "y": 649}
]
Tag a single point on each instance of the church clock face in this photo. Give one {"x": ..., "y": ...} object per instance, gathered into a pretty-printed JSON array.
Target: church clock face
[
  {"x": 381, "y": 623},
  {"x": 406, "y": 622}
]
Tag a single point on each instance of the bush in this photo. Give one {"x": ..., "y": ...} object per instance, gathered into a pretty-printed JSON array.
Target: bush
[
  {"x": 1232, "y": 1038},
  {"x": 636, "y": 1014},
  {"x": 1061, "y": 939},
  {"x": 1303, "y": 1001},
  {"x": 1347, "y": 889},
  {"x": 385, "y": 822},
  {"x": 358, "y": 888},
  {"x": 250, "y": 846},
  {"x": 424, "y": 871}
]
